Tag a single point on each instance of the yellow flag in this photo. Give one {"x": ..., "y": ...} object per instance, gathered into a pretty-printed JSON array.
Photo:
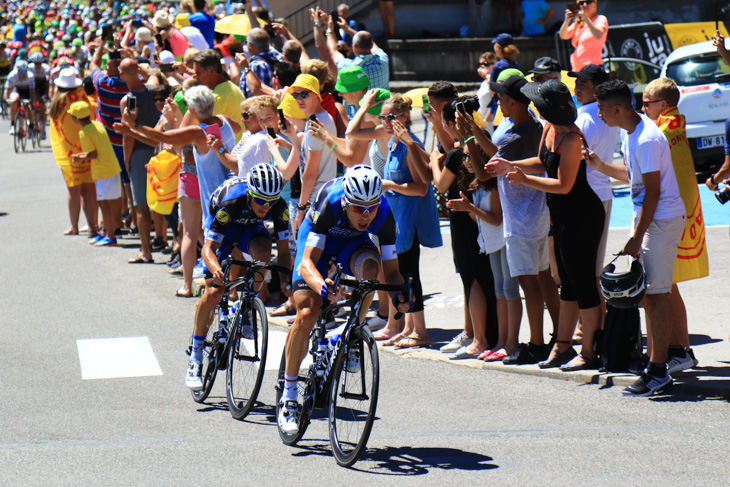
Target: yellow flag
[{"x": 691, "y": 260}]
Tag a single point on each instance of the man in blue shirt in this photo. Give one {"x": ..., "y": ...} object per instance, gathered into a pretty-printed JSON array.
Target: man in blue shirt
[
  {"x": 372, "y": 59},
  {"x": 203, "y": 21}
]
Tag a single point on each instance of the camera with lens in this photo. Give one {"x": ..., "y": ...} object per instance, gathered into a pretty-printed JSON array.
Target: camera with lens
[{"x": 724, "y": 195}]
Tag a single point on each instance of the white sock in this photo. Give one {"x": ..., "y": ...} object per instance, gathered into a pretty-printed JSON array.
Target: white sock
[
  {"x": 198, "y": 345},
  {"x": 290, "y": 388}
]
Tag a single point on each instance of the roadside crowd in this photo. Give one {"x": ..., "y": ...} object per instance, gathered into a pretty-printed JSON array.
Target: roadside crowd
[{"x": 150, "y": 101}]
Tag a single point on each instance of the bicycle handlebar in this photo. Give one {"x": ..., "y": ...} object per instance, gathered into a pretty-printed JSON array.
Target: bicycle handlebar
[{"x": 253, "y": 265}]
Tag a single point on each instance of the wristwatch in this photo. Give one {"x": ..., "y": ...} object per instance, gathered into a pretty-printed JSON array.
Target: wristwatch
[
  {"x": 246, "y": 70},
  {"x": 222, "y": 150}
]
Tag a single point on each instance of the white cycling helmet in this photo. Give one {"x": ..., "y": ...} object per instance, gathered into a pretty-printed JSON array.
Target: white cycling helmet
[
  {"x": 623, "y": 289},
  {"x": 362, "y": 185},
  {"x": 22, "y": 66},
  {"x": 265, "y": 180},
  {"x": 36, "y": 58}
]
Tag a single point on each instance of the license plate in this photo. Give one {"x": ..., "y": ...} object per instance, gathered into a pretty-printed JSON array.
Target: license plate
[{"x": 708, "y": 142}]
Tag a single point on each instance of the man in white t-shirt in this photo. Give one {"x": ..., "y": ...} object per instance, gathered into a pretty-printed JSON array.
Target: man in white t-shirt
[
  {"x": 658, "y": 220},
  {"x": 601, "y": 139}
]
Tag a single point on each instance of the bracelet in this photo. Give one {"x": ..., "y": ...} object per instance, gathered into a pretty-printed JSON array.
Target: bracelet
[
  {"x": 712, "y": 179},
  {"x": 332, "y": 149},
  {"x": 303, "y": 207},
  {"x": 468, "y": 140},
  {"x": 318, "y": 24},
  {"x": 328, "y": 32},
  {"x": 324, "y": 292}
]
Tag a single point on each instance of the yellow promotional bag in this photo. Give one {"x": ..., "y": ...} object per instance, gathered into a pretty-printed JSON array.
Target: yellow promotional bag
[{"x": 163, "y": 172}]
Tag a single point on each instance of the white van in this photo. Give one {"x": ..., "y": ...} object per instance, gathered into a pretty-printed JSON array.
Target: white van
[{"x": 703, "y": 78}]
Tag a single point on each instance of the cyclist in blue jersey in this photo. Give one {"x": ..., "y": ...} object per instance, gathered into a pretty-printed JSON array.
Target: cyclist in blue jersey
[
  {"x": 347, "y": 217},
  {"x": 239, "y": 207}
]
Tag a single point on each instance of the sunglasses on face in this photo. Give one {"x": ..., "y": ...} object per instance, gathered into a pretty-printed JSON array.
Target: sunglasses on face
[
  {"x": 303, "y": 95},
  {"x": 485, "y": 65},
  {"x": 585, "y": 2},
  {"x": 390, "y": 117},
  {"x": 245, "y": 115},
  {"x": 359, "y": 209},
  {"x": 160, "y": 99},
  {"x": 261, "y": 201},
  {"x": 647, "y": 103}
]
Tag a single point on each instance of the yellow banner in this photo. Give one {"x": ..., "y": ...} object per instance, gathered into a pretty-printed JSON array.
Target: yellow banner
[
  {"x": 163, "y": 172},
  {"x": 692, "y": 32},
  {"x": 65, "y": 141},
  {"x": 692, "y": 259}
]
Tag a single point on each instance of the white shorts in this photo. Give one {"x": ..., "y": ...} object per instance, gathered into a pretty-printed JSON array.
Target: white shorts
[
  {"x": 109, "y": 188},
  {"x": 526, "y": 256},
  {"x": 601, "y": 254},
  {"x": 659, "y": 251}
]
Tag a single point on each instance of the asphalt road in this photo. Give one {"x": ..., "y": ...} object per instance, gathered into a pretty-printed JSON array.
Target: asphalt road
[{"x": 438, "y": 423}]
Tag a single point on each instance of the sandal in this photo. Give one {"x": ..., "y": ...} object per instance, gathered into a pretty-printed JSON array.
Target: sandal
[
  {"x": 495, "y": 357},
  {"x": 141, "y": 260},
  {"x": 283, "y": 310},
  {"x": 393, "y": 340},
  {"x": 181, "y": 294},
  {"x": 413, "y": 341},
  {"x": 71, "y": 231}
]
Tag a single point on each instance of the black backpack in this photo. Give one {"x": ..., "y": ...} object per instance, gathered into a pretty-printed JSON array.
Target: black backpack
[{"x": 619, "y": 343}]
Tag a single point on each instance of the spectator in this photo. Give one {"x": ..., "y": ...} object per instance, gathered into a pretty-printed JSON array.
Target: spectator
[
  {"x": 507, "y": 53},
  {"x": 346, "y": 25},
  {"x": 203, "y": 21},
  {"x": 660, "y": 105},
  {"x": 526, "y": 221},
  {"x": 173, "y": 39},
  {"x": 104, "y": 169},
  {"x": 658, "y": 220},
  {"x": 372, "y": 59},
  {"x": 387, "y": 15},
  {"x": 486, "y": 63},
  {"x": 600, "y": 138},
  {"x": 535, "y": 16},
  {"x": 228, "y": 97},
  {"x": 65, "y": 140},
  {"x": 545, "y": 68},
  {"x": 260, "y": 61},
  {"x": 253, "y": 148},
  {"x": 577, "y": 216},
  {"x": 414, "y": 207},
  {"x": 137, "y": 153},
  {"x": 587, "y": 32}
]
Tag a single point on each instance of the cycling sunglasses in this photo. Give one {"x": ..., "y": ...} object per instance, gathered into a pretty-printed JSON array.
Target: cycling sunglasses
[
  {"x": 260, "y": 200},
  {"x": 390, "y": 117},
  {"x": 360, "y": 209}
]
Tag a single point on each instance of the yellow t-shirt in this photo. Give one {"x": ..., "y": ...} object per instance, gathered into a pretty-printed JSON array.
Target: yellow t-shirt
[
  {"x": 228, "y": 98},
  {"x": 93, "y": 136}
]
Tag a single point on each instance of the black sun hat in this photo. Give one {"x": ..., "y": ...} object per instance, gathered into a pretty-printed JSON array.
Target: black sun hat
[
  {"x": 511, "y": 86},
  {"x": 553, "y": 100}
]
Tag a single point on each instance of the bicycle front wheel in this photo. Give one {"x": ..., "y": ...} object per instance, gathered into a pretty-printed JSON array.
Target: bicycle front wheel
[
  {"x": 354, "y": 397},
  {"x": 247, "y": 359},
  {"x": 211, "y": 358},
  {"x": 18, "y": 136},
  {"x": 23, "y": 131}
]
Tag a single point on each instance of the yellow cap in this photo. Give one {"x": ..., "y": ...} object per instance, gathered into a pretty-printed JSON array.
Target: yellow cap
[
  {"x": 80, "y": 110},
  {"x": 290, "y": 108},
  {"x": 306, "y": 81},
  {"x": 181, "y": 20}
]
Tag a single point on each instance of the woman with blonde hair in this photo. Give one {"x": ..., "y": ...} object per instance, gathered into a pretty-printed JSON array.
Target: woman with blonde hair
[{"x": 413, "y": 204}]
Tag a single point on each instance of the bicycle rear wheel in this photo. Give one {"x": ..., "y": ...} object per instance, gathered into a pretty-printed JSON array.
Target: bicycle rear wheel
[
  {"x": 305, "y": 386},
  {"x": 354, "y": 397},
  {"x": 23, "y": 124},
  {"x": 31, "y": 134},
  {"x": 247, "y": 359},
  {"x": 210, "y": 359},
  {"x": 18, "y": 136}
]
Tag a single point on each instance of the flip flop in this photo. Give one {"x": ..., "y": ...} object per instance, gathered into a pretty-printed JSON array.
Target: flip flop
[
  {"x": 283, "y": 310},
  {"x": 393, "y": 340},
  {"x": 183, "y": 295},
  {"x": 413, "y": 341},
  {"x": 141, "y": 260},
  {"x": 484, "y": 355},
  {"x": 380, "y": 336},
  {"x": 495, "y": 357},
  {"x": 71, "y": 231}
]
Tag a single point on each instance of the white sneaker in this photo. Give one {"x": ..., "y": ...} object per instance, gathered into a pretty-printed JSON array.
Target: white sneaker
[
  {"x": 194, "y": 379},
  {"x": 12, "y": 129},
  {"x": 675, "y": 363},
  {"x": 353, "y": 361},
  {"x": 376, "y": 323},
  {"x": 460, "y": 340},
  {"x": 289, "y": 417}
]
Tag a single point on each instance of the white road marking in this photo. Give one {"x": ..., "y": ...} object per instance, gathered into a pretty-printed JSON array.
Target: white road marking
[{"x": 110, "y": 358}]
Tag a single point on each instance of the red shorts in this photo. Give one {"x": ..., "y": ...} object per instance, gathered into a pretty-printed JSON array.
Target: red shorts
[{"x": 188, "y": 186}]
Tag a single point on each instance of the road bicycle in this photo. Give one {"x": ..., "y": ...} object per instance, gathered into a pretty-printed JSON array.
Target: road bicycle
[
  {"x": 35, "y": 130},
  {"x": 21, "y": 126},
  {"x": 237, "y": 340},
  {"x": 344, "y": 375}
]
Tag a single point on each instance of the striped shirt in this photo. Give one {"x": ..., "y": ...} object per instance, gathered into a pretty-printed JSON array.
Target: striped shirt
[{"x": 111, "y": 90}]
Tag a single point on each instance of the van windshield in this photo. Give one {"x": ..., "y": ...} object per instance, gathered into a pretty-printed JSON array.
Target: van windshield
[{"x": 697, "y": 70}]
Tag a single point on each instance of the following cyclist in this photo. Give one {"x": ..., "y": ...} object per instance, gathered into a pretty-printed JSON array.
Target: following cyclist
[
  {"x": 20, "y": 86},
  {"x": 41, "y": 75},
  {"x": 4, "y": 60},
  {"x": 347, "y": 213},
  {"x": 238, "y": 209}
]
